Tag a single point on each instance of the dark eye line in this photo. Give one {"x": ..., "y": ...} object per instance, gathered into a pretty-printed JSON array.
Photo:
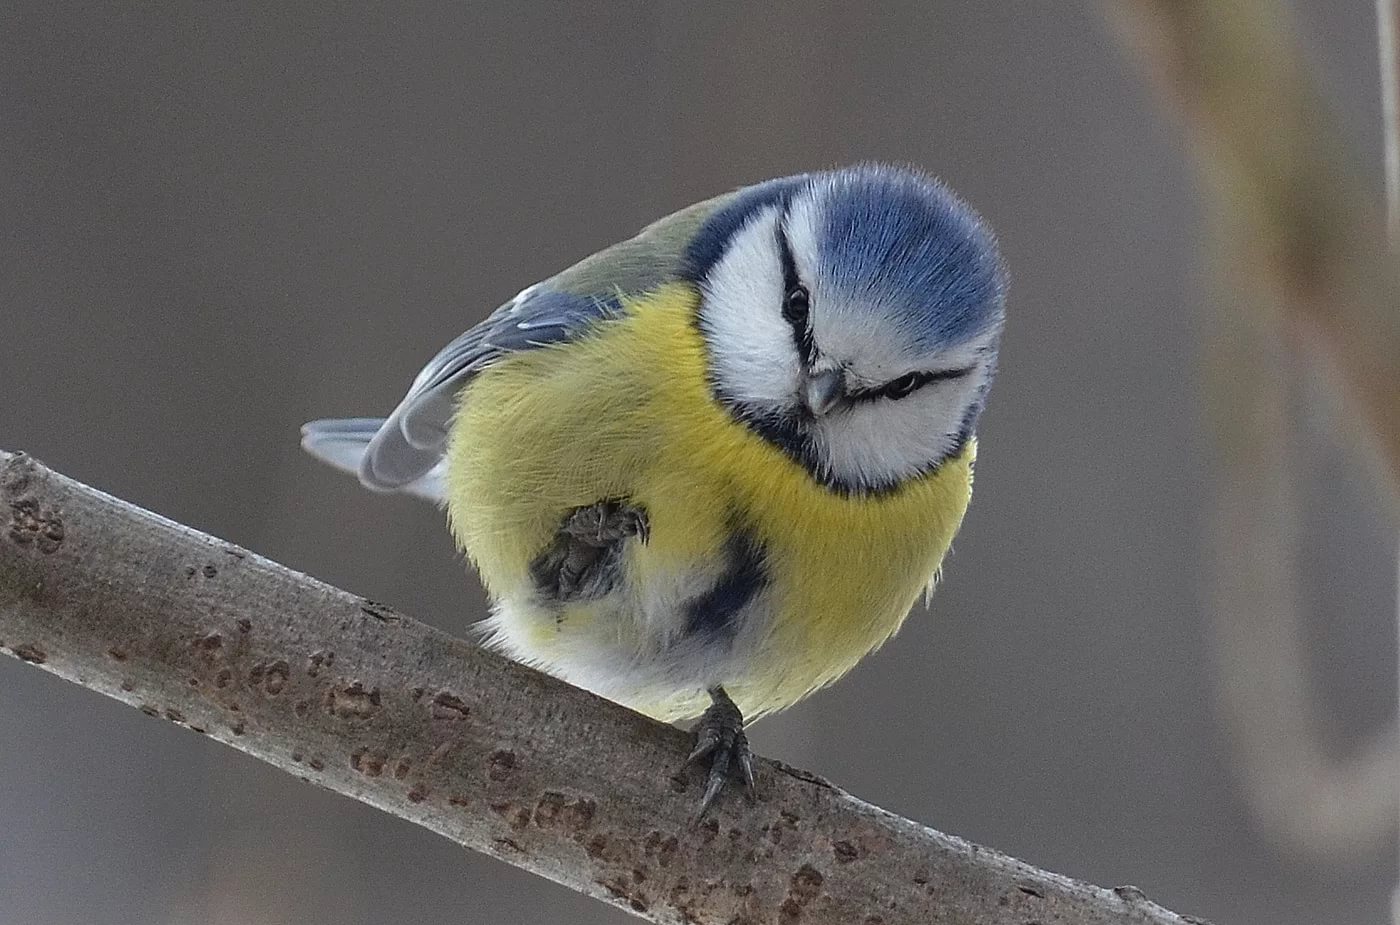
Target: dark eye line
[
  {"x": 792, "y": 291},
  {"x": 907, "y": 384}
]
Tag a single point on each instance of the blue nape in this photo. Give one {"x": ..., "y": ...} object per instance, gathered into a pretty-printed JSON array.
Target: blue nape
[{"x": 708, "y": 245}]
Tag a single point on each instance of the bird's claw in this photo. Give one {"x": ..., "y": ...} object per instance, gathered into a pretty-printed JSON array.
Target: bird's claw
[
  {"x": 607, "y": 522},
  {"x": 720, "y": 738}
]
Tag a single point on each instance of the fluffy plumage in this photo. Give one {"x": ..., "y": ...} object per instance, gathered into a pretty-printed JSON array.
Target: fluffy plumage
[{"x": 786, "y": 380}]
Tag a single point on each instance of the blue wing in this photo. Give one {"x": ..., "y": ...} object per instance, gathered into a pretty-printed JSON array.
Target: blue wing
[{"x": 403, "y": 451}]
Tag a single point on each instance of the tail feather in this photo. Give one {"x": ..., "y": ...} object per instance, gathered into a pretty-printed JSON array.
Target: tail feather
[{"x": 348, "y": 445}]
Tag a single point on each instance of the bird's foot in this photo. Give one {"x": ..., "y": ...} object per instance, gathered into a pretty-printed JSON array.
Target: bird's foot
[
  {"x": 582, "y": 561},
  {"x": 720, "y": 737}
]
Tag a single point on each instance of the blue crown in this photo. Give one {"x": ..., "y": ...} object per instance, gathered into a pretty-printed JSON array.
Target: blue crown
[
  {"x": 891, "y": 237},
  {"x": 895, "y": 239}
]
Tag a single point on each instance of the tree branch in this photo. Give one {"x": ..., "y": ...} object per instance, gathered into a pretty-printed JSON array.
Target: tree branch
[{"x": 348, "y": 694}]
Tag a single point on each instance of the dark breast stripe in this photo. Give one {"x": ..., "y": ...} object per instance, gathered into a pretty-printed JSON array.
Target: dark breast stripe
[{"x": 744, "y": 576}]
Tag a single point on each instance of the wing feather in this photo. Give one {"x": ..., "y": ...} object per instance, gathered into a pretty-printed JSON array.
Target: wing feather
[{"x": 408, "y": 445}]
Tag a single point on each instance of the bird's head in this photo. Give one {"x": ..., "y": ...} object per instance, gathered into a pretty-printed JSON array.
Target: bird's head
[{"x": 852, "y": 318}]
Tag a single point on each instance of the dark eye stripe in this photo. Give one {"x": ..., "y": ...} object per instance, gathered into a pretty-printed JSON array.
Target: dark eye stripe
[
  {"x": 792, "y": 283},
  {"x": 908, "y": 384}
]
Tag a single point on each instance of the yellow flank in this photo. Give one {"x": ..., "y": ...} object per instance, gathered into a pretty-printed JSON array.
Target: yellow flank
[{"x": 626, "y": 412}]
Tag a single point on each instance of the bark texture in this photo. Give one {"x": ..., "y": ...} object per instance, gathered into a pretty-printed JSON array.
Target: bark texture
[{"x": 350, "y": 695}]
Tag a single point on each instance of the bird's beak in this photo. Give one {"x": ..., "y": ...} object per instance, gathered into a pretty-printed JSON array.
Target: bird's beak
[{"x": 823, "y": 390}]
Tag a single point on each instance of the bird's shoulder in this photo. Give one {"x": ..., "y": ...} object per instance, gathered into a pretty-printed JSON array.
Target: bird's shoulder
[
  {"x": 655, "y": 255},
  {"x": 563, "y": 306},
  {"x": 557, "y": 310}
]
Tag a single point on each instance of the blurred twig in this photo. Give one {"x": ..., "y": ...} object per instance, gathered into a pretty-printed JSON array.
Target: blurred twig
[
  {"x": 1388, "y": 32},
  {"x": 1308, "y": 263},
  {"x": 1316, "y": 805},
  {"x": 1388, "y": 57},
  {"x": 361, "y": 700},
  {"x": 1316, "y": 243}
]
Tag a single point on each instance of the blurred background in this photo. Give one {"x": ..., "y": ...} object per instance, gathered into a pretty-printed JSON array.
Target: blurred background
[{"x": 220, "y": 221}]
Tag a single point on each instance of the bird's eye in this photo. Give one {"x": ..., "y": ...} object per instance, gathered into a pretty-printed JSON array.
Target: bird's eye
[
  {"x": 796, "y": 305},
  {"x": 903, "y": 386}
]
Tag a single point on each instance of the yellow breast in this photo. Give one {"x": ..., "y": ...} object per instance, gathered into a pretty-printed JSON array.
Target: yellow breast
[{"x": 626, "y": 412}]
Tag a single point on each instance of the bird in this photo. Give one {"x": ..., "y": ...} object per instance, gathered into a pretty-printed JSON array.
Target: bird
[{"x": 705, "y": 471}]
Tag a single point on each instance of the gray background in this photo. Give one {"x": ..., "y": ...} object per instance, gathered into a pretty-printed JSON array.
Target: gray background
[{"x": 221, "y": 221}]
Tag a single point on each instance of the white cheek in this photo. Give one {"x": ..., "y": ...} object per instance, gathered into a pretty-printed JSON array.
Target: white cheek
[
  {"x": 885, "y": 441},
  {"x": 752, "y": 355}
]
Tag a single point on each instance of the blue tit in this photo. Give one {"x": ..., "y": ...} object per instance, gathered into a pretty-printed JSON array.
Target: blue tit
[{"x": 705, "y": 471}]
